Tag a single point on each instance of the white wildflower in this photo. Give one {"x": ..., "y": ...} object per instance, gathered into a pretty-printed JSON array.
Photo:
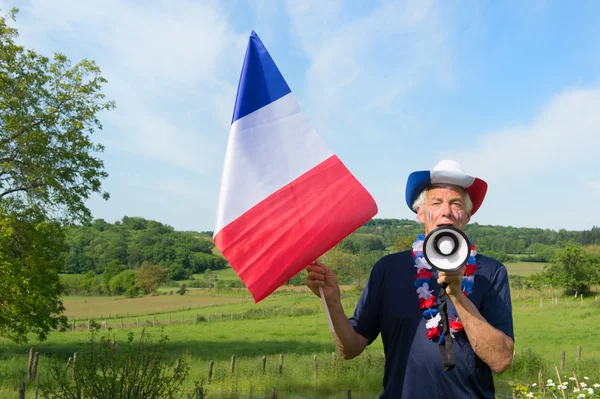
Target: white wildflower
[
  {"x": 530, "y": 395},
  {"x": 576, "y": 390},
  {"x": 590, "y": 391},
  {"x": 550, "y": 384},
  {"x": 596, "y": 385},
  {"x": 583, "y": 385},
  {"x": 581, "y": 395},
  {"x": 586, "y": 378},
  {"x": 572, "y": 378}
]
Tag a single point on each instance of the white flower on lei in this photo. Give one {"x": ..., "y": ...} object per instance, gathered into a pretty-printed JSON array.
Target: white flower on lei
[
  {"x": 433, "y": 322},
  {"x": 424, "y": 292}
]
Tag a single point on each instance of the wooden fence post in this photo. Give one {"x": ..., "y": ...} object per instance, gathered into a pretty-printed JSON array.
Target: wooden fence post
[
  {"x": 578, "y": 354},
  {"x": 281, "y": 363},
  {"x": 562, "y": 360},
  {"x": 274, "y": 393},
  {"x": 37, "y": 386},
  {"x": 73, "y": 367},
  {"x": 232, "y": 364},
  {"x": 197, "y": 318},
  {"x": 264, "y": 363},
  {"x": 349, "y": 394},
  {"x": 153, "y": 320},
  {"x": 68, "y": 364},
  {"x": 137, "y": 322},
  {"x": 35, "y": 364},
  {"x": 199, "y": 393},
  {"x": 22, "y": 390},
  {"x": 30, "y": 364},
  {"x": 121, "y": 323},
  {"x": 210, "y": 370},
  {"x": 315, "y": 366},
  {"x": 73, "y": 326}
]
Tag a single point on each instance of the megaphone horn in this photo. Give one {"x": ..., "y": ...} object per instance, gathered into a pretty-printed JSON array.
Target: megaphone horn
[{"x": 446, "y": 248}]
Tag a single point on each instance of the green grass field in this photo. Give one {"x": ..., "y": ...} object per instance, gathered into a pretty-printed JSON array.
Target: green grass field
[
  {"x": 524, "y": 268},
  {"x": 294, "y": 324}
]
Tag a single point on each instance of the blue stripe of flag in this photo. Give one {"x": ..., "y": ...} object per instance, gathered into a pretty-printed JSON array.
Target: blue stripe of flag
[{"x": 261, "y": 82}]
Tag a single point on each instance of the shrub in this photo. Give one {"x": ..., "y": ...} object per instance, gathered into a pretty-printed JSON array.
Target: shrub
[{"x": 106, "y": 370}]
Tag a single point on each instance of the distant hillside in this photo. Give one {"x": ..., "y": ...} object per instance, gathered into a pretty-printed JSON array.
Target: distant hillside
[{"x": 134, "y": 240}]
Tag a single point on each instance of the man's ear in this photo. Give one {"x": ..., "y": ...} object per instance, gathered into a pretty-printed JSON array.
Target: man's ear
[{"x": 420, "y": 215}]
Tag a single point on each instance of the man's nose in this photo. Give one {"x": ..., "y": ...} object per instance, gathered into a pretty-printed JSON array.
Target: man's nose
[{"x": 447, "y": 210}]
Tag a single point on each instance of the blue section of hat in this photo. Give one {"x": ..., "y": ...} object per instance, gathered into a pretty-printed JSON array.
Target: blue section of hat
[
  {"x": 417, "y": 181},
  {"x": 261, "y": 83}
]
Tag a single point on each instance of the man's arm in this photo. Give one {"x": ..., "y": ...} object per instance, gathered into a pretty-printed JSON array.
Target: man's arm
[
  {"x": 349, "y": 343},
  {"x": 490, "y": 344}
]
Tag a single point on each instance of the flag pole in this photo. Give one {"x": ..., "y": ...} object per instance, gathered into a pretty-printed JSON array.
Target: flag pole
[{"x": 326, "y": 310}]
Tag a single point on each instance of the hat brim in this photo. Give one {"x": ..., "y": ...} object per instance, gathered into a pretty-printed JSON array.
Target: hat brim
[{"x": 418, "y": 181}]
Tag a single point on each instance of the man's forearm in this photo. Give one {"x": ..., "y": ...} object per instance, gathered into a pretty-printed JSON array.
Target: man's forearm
[
  {"x": 349, "y": 343},
  {"x": 490, "y": 344}
]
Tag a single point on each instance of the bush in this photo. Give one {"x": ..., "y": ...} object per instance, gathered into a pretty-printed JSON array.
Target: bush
[
  {"x": 106, "y": 370},
  {"x": 182, "y": 290}
]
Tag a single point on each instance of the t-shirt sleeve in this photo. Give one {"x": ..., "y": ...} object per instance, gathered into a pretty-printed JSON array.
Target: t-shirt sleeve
[
  {"x": 497, "y": 306},
  {"x": 368, "y": 309}
]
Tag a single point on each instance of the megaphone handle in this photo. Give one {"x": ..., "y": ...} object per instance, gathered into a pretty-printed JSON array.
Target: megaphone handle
[{"x": 446, "y": 352}]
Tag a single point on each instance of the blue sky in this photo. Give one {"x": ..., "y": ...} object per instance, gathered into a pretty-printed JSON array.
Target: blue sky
[{"x": 510, "y": 89}]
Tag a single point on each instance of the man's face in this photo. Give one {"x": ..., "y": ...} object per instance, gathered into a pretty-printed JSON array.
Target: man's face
[{"x": 443, "y": 206}]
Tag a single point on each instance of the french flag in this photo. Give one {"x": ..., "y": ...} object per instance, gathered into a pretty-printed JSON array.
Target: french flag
[{"x": 285, "y": 197}]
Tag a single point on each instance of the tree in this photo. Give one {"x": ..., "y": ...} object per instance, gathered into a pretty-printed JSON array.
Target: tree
[
  {"x": 48, "y": 111},
  {"x": 149, "y": 276},
  {"x": 30, "y": 249},
  {"x": 573, "y": 269},
  {"x": 403, "y": 243}
]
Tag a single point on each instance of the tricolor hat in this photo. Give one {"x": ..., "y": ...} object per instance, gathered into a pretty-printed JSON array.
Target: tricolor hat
[{"x": 445, "y": 172}]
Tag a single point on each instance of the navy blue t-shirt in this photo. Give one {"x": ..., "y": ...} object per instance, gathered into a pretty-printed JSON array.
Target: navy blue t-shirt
[{"x": 389, "y": 305}]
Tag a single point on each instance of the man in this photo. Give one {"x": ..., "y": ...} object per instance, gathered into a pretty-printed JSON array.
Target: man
[{"x": 393, "y": 303}]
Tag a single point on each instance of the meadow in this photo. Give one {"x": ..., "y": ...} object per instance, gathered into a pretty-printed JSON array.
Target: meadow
[{"x": 208, "y": 325}]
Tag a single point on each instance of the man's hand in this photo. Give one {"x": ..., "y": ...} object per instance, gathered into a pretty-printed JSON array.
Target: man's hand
[
  {"x": 453, "y": 281},
  {"x": 320, "y": 275}
]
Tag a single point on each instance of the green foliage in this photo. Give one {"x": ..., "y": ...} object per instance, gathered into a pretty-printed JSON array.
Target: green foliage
[
  {"x": 48, "y": 112},
  {"x": 182, "y": 290},
  {"x": 105, "y": 369},
  {"x": 573, "y": 269},
  {"x": 122, "y": 283},
  {"x": 149, "y": 276},
  {"x": 403, "y": 243},
  {"x": 133, "y": 241},
  {"x": 30, "y": 247}
]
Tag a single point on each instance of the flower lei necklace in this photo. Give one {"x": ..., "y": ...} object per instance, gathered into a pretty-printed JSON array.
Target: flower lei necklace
[{"x": 427, "y": 301}]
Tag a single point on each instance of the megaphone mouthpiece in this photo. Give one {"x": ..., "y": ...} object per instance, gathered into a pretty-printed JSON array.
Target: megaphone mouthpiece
[{"x": 446, "y": 248}]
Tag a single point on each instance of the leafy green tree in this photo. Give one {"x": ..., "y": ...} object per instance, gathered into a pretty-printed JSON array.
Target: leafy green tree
[
  {"x": 149, "y": 276},
  {"x": 403, "y": 243},
  {"x": 122, "y": 282},
  {"x": 573, "y": 269},
  {"x": 30, "y": 249},
  {"x": 48, "y": 111},
  {"x": 178, "y": 272}
]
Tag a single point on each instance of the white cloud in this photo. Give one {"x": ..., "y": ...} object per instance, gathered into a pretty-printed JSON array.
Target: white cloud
[
  {"x": 168, "y": 66},
  {"x": 365, "y": 63},
  {"x": 565, "y": 134}
]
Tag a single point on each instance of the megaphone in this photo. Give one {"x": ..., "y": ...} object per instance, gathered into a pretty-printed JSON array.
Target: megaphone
[{"x": 446, "y": 248}]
